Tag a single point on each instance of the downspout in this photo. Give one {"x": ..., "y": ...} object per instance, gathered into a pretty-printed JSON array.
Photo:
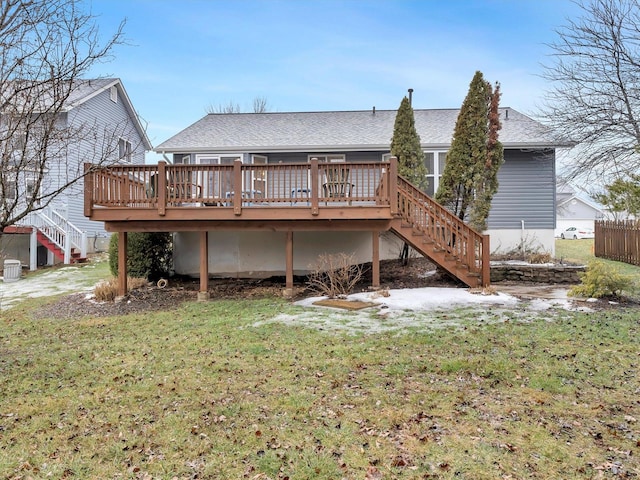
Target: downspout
[{"x": 522, "y": 237}]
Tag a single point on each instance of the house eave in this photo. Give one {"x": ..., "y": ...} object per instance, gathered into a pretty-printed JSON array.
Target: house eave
[
  {"x": 327, "y": 148},
  {"x": 275, "y": 149}
]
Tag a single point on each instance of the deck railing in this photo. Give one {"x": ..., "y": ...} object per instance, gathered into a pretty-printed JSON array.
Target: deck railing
[
  {"x": 447, "y": 232},
  {"x": 311, "y": 185}
]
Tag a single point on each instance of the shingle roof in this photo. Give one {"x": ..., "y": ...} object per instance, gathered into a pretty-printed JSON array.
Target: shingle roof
[
  {"x": 86, "y": 89},
  {"x": 81, "y": 90},
  {"x": 344, "y": 130}
]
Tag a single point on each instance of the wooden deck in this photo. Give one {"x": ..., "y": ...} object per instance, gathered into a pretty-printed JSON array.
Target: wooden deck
[{"x": 314, "y": 196}]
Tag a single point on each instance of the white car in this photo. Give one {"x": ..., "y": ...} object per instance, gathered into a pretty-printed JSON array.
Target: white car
[{"x": 574, "y": 233}]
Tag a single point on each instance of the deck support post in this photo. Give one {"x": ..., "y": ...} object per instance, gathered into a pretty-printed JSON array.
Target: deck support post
[
  {"x": 375, "y": 260},
  {"x": 203, "y": 294},
  {"x": 486, "y": 261},
  {"x": 288, "y": 291},
  {"x": 33, "y": 249},
  {"x": 122, "y": 264}
]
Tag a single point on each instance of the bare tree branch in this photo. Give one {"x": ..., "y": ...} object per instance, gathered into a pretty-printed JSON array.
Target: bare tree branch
[
  {"x": 47, "y": 47},
  {"x": 595, "y": 95},
  {"x": 260, "y": 105}
]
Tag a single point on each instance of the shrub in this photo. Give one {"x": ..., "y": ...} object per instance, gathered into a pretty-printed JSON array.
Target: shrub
[
  {"x": 107, "y": 291},
  {"x": 148, "y": 255},
  {"x": 335, "y": 275},
  {"x": 601, "y": 280}
]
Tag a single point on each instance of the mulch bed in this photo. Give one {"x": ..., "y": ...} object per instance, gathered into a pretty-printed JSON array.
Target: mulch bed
[
  {"x": 183, "y": 289},
  {"x": 393, "y": 275}
]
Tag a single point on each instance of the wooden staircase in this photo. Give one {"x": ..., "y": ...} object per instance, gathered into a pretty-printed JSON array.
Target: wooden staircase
[
  {"x": 52, "y": 230},
  {"x": 440, "y": 236},
  {"x": 58, "y": 252}
]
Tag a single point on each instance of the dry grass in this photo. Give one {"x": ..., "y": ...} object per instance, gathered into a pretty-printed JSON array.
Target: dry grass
[
  {"x": 540, "y": 257},
  {"x": 211, "y": 390},
  {"x": 107, "y": 291}
]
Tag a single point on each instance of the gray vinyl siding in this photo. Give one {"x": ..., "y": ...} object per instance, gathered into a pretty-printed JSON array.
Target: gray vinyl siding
[{"x": 526, "y": 191}]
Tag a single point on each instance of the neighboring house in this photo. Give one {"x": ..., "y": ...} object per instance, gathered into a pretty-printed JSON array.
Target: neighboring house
[
  {"x": 108, "y": 131},
  {"x": 573, "y": 211},
  {"x": 523, "y": 208}
]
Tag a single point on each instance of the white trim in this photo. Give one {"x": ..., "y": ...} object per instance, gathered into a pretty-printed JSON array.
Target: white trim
[
  {"x": 125, "y": 152},
  {"x": 128, "y": 106},
  {"x": 217, "y": 157},
  {"x": 436, "y": 174},
  {"x": 327, "y": 157}
]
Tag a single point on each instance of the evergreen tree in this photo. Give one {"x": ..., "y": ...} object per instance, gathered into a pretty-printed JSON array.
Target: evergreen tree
[
  {"x": 470, "y": 177},
  {"x": 405, "y": 145},
  {"x": 622, "y": 196}
]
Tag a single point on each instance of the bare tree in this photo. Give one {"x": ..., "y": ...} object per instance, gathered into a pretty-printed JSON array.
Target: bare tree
[
  {"x": 595, "y": 95},
  {"x": 229, "y": 107},
  {"x": 46, "y": 48},
  {"x": 260, "y": 105}
]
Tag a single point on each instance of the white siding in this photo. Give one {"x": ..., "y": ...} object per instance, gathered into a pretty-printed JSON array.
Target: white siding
[{"x": 105, "y": 122}]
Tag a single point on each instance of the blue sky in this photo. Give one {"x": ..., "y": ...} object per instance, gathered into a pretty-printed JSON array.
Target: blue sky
[{"x": 314, "y": 55}]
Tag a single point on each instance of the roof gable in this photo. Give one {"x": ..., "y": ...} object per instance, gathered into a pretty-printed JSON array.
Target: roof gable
[
  {"x": 88, "y": 89},
  {"x": 584, "y": 204},
  {"x": 342, "y": 130}
]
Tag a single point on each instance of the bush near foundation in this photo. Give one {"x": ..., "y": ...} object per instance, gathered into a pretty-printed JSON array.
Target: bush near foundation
[
  {"x": 602, "y": 280},
  {"x": 149, "y": 255},
  {"x": 335, "y": 275}
]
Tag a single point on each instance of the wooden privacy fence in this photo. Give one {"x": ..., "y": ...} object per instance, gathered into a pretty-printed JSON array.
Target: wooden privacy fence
[{"x": 618, "y": 240}]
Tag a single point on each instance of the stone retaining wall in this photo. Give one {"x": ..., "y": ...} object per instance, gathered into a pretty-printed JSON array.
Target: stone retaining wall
[{"x": 536, "y": 273}]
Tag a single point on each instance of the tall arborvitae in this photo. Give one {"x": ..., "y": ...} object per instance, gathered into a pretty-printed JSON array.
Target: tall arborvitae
[
  {"x": 405, "y": 145},
  {"x": 470, "y": 177}
]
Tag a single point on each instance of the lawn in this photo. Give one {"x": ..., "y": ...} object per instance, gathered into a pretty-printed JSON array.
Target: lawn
[
  {"x": 581, "y": 251},
  {"x": 220, "y": 390}
]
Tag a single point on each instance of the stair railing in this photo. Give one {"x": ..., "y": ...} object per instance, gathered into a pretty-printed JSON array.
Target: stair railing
[
  {"x": 448, "y": 233},
  {"x": 61, "y": 232},
  {"x": 77, "y": 238}
]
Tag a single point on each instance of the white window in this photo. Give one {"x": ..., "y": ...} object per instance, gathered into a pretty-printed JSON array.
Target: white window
[
  {"x": 218, "y": 183},
  {"x": 332, "y": 158},
  {"x": 124, "y": 150},
  {"x": 434, "y": 161},
  {"x": 113, "y": 94},
  {"x": 221, "y": 159}
]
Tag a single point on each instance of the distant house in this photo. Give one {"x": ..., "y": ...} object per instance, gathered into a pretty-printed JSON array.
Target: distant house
[
  {"x": 524, "y": 209},
  {"x": 110, "y": 131},
  {"x": 574, "y": 211}
]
